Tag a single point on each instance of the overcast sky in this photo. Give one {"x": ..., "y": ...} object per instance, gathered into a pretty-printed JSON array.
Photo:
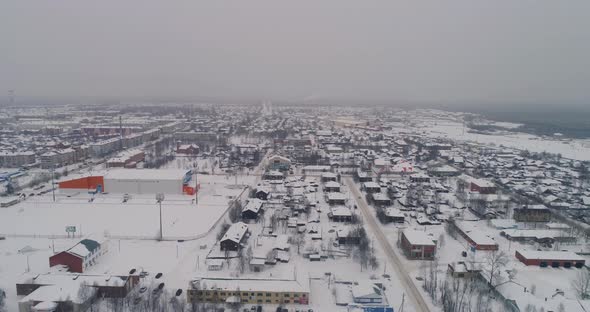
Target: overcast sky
[{"x": 432, "y": 51}]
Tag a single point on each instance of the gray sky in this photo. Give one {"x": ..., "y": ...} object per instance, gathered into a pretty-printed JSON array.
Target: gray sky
[{"x": 433, "y": 51}]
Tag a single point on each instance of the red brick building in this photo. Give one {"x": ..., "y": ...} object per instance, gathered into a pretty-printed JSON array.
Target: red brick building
[
  {"x": 127, "y": 159},
  {"x": 553, "y": 259},
  {"x": 78, "y": 257},
  {"x": 187, "y": 149},
  {"x": 482, "y": 187},
  {"x": 417, "y": 245}
]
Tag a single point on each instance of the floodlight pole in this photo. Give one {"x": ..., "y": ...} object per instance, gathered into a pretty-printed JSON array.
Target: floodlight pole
[
  {"x": 160, "y": 198},
  {"x": 161, "y": 234},
  {"x": 52, "y": 181}
]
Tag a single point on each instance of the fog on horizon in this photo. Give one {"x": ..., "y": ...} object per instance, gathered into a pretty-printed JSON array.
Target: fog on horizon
[{"x": 455, "y": 51}]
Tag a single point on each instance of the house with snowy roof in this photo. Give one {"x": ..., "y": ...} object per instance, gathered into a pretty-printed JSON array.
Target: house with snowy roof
[
  {"x": 235, "y": 237},
  {"x": 252, "y": 209},
  {"x": 366, "y": 293},
  {"x": 78, "y": 257}
]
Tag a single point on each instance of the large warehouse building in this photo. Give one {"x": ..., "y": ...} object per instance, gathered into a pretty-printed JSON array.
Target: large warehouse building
[{"x": 134, "y": 181}]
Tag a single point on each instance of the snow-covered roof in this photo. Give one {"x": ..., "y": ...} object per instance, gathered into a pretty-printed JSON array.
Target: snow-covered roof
[
  {"x": 341, "y": 211},
  {"x": 254, "y": 205},
  {"x": 281, "y": 242},
  {"x": 234, "y": 284},
  {"x": 550, "y": 255},
  {"x": 418, "y": 238},
  {"x": 365, "y": 290},
  {"x": 235, "y": 232},
  {"x": 503, "y": 223},
  {"x": 280, "y": 158},
  {"x": 146, "y": 174},
  {"x": 371, "y": 184},
  {"x": 482, "y": 183},
  {"x": 316, "y": 168},
  {"x": 380, "y": 197},
  {"x": 84, "y": 247},
  {"x": 444, "y": 168},
  {"x": 394, "y": 212},
  {"x": 336, "y": 196},
  {"x": 55, "y": 293},
  {"x": 533, "y": 207},
  {"x": 332, "y": 184},
  {"x": 274, "y": 173},
  {"x": 45, "y": 306},
  {"x": 538, "y": 234}
]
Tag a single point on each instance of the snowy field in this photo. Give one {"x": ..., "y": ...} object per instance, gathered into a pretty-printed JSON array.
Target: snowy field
[
  {"x": 138, "y": 218},
  {"x": 181, "y": 261},
  {"x": 574, "y": 148}
]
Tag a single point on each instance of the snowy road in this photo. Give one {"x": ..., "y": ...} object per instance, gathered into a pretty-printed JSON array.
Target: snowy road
[{"x": 413, "y": 293}]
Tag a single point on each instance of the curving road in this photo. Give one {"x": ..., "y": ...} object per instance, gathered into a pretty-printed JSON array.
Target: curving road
[{"x": 412, "y": 292}]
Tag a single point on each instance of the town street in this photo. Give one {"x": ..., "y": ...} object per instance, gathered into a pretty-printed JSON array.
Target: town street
[{"x": 412, "y": 292}]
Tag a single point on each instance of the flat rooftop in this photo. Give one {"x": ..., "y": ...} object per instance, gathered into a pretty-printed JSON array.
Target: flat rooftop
[
  {"x": 143, "y": 174},
  {"x": 550, "y": 255}
]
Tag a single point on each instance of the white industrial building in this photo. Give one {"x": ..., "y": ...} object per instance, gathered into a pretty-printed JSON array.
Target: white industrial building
[{"x": 146, "y": 181}]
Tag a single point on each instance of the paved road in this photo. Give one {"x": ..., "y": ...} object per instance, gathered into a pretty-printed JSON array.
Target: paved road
[{"x": 412, "y": 292}]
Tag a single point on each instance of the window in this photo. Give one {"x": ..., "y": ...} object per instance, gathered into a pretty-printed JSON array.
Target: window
[
  {"x": 287, "y": 301},
  {"x": 259, "y": 294},
  {"x": 267, "y": 301},
  {"x": 296, "y": 295},
  {"x": 268, "y": 294}
]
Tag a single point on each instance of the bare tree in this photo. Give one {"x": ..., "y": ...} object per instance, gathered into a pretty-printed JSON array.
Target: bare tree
[
  {"x": 495, "y": 262},
  {"x": 530, "y": 308},
  {"x": 86, "y": 295},
  {"x": 177, "y": 305},
  {"x": 224, "y": 227},
  {"x": 298, "y": 240},
  {"x": 242, "y": 262},
  {"x": 2, "y": 300},
  {"x": 581, "y": 284}
]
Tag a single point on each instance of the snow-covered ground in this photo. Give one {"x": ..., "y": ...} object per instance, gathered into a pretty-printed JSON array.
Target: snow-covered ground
[
  {"x": 138, "y": 218},
  {"x": 571, "y": 148},
  {"x": 179, "y": 262}
]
